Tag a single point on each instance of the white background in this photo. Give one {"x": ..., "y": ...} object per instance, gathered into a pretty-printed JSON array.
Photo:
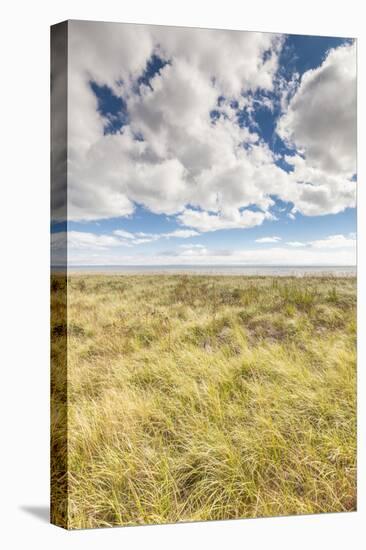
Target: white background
[{"x": 24, "y": 304}]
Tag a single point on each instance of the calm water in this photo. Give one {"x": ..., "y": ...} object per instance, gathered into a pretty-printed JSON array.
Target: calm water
[{"x": 298, "y": 271}]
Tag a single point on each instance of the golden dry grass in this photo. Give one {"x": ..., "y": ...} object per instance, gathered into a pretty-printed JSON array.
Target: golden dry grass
[{"x": 205, "y": 397}]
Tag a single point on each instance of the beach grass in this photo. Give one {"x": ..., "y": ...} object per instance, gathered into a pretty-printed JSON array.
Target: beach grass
[{"x": 196, "y": 397}]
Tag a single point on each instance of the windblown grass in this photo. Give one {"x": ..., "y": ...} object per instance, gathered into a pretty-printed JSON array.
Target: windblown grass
[{"x": 199, "y": 398}]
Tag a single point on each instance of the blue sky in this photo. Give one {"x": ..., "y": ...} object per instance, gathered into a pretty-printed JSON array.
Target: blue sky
[{"x": 181, "y": 152}]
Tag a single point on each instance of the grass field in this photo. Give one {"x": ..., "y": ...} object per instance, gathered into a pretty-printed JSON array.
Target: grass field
[{"x": 204, "y": 397}]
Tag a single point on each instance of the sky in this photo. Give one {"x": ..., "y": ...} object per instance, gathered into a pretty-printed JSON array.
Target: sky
[{"x": 208, "y": 147}]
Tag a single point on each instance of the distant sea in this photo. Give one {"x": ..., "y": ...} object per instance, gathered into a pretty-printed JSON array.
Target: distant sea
[{"x": 284, "y": 271}]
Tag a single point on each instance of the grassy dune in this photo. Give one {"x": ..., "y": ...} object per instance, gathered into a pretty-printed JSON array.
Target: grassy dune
[{"x": 203, "y": 397}]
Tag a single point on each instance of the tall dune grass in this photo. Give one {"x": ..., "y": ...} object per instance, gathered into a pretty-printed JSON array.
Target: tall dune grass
[{"x": 200, "y": 398}]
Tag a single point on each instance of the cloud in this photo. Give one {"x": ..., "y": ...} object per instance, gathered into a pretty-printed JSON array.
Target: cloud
[
  {"x": 124, "y": 234},
  {"x": 329, "y": 243},
  {"x": 268, "y": 239},
  {"x": 186, "y": 164},
  {"x": 86, "y": 248},
  {"x": 209, "y": 50},
  {"x": 184, "y": 158},
  {"x": 316, "y": 192},
  {"x": 320, "y": 123},
  {"x": 83, "y": 240},
  {"x": 295, "y": 244},
  {"x": 140, "y": 237},
  {"x": 190, "y": 246},
  {"x": 204, "y": 256},
  {"x": 335, "y": 241},
  {"x": 193, "y": 253},
  {"x": 228, "y": 219},
  {"x": 181, "y": 234}
]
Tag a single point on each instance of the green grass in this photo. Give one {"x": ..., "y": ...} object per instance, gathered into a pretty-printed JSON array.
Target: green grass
[{"x": 199, "y": 398}]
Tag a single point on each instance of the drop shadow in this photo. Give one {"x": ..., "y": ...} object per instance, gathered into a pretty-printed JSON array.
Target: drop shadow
[{"x": 40, "y": 512}]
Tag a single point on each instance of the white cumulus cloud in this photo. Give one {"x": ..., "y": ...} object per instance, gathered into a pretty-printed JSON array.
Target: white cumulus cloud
[
  {"x": 320, "y": 122},
  {"x": 229, "y": 219},
  {"x": 203, "y": 171},
  {"x": 273, "y": 239}
]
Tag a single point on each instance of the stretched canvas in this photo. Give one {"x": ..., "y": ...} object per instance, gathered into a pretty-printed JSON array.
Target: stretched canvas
[{"x": 203, "y": 282}]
